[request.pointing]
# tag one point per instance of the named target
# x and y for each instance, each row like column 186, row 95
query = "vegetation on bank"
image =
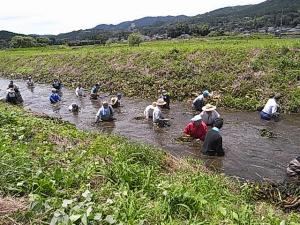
column 56, row 174
column 242, row 72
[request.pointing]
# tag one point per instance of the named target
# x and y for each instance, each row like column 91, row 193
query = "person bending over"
column 196, row 128
column 212, row 145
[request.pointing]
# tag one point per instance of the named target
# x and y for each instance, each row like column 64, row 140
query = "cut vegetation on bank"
column 242, row 72
column 53, row 173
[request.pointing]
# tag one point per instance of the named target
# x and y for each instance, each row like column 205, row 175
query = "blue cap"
column 206, row 93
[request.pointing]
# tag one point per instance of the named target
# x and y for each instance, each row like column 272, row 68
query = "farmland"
column 242, row 72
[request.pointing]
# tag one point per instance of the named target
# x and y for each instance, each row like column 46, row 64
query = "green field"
column 242, row 72
column 54, row 172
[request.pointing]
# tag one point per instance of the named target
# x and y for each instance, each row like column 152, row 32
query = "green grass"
column 242, row 72
column 70, row 175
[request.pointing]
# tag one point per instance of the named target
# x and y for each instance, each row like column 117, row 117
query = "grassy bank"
column 54, row 173
column 243, row 72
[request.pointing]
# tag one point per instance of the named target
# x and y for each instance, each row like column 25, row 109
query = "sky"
column 60, row 16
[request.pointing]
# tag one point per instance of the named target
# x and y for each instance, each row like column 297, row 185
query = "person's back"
column 198, row 103
column 148, row 112
column 270, row 107
column 54, row 97
column 213, row 140
column 11, row 96
column 157, row 115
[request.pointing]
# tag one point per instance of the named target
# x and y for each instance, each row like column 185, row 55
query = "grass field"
column 241, row 72
column 53, row 173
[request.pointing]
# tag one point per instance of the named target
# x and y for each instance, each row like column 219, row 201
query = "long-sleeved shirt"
column 197, row 132
column 213, row 143
column 105, row 114
column 271, row 107
column 79, row 92
column 54, row 98
column 148, row 113
column 198, row 103
column 208, row 118
column 157, row 115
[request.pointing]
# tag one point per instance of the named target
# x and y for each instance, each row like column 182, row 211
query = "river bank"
column 243, row 72
column 53, row 172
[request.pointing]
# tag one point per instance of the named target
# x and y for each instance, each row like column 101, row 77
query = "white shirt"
column 149, row 111
column 208, row 119
column 270, row 107
column 79, row 92
column 157, row 114
column 200, row 97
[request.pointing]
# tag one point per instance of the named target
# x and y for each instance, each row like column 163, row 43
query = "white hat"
column 160, row 102
column 209, row 107
column 196, row 118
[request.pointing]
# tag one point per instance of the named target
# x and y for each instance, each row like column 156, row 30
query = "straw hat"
column 160, row 102
column 196, row 118
column 208, row 108
column 113, row 100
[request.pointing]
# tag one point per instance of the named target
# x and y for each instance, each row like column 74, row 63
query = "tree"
column 22, row 42
column 135, row 39
column 43, row 41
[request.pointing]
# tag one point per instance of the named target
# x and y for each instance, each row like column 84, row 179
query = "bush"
column 22, row 42
column 134, row 39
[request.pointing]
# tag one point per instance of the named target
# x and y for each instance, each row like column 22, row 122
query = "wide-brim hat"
column 113, row 100
column 160, row 102
column 196, row 118
column 104, row 103
column 164, row 92
column 209, row 108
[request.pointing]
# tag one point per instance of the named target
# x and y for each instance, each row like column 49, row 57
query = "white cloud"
column 57, row 16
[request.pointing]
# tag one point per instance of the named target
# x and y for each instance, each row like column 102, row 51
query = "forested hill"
column 237, row 18
column 253, row 18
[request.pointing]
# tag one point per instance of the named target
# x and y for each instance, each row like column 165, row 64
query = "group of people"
column 105, row 113
column 198, row 127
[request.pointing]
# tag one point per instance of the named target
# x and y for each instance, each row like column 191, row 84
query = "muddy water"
column 248, row 155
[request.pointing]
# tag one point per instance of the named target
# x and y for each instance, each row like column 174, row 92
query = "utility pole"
column 281, row 22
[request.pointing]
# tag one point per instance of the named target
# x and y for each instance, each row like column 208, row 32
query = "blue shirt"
column 105, row 113
column 54, row 98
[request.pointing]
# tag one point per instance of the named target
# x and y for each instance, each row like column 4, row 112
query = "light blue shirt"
column 216, row 129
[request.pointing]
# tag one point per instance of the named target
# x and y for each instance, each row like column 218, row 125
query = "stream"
column 248, row 155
